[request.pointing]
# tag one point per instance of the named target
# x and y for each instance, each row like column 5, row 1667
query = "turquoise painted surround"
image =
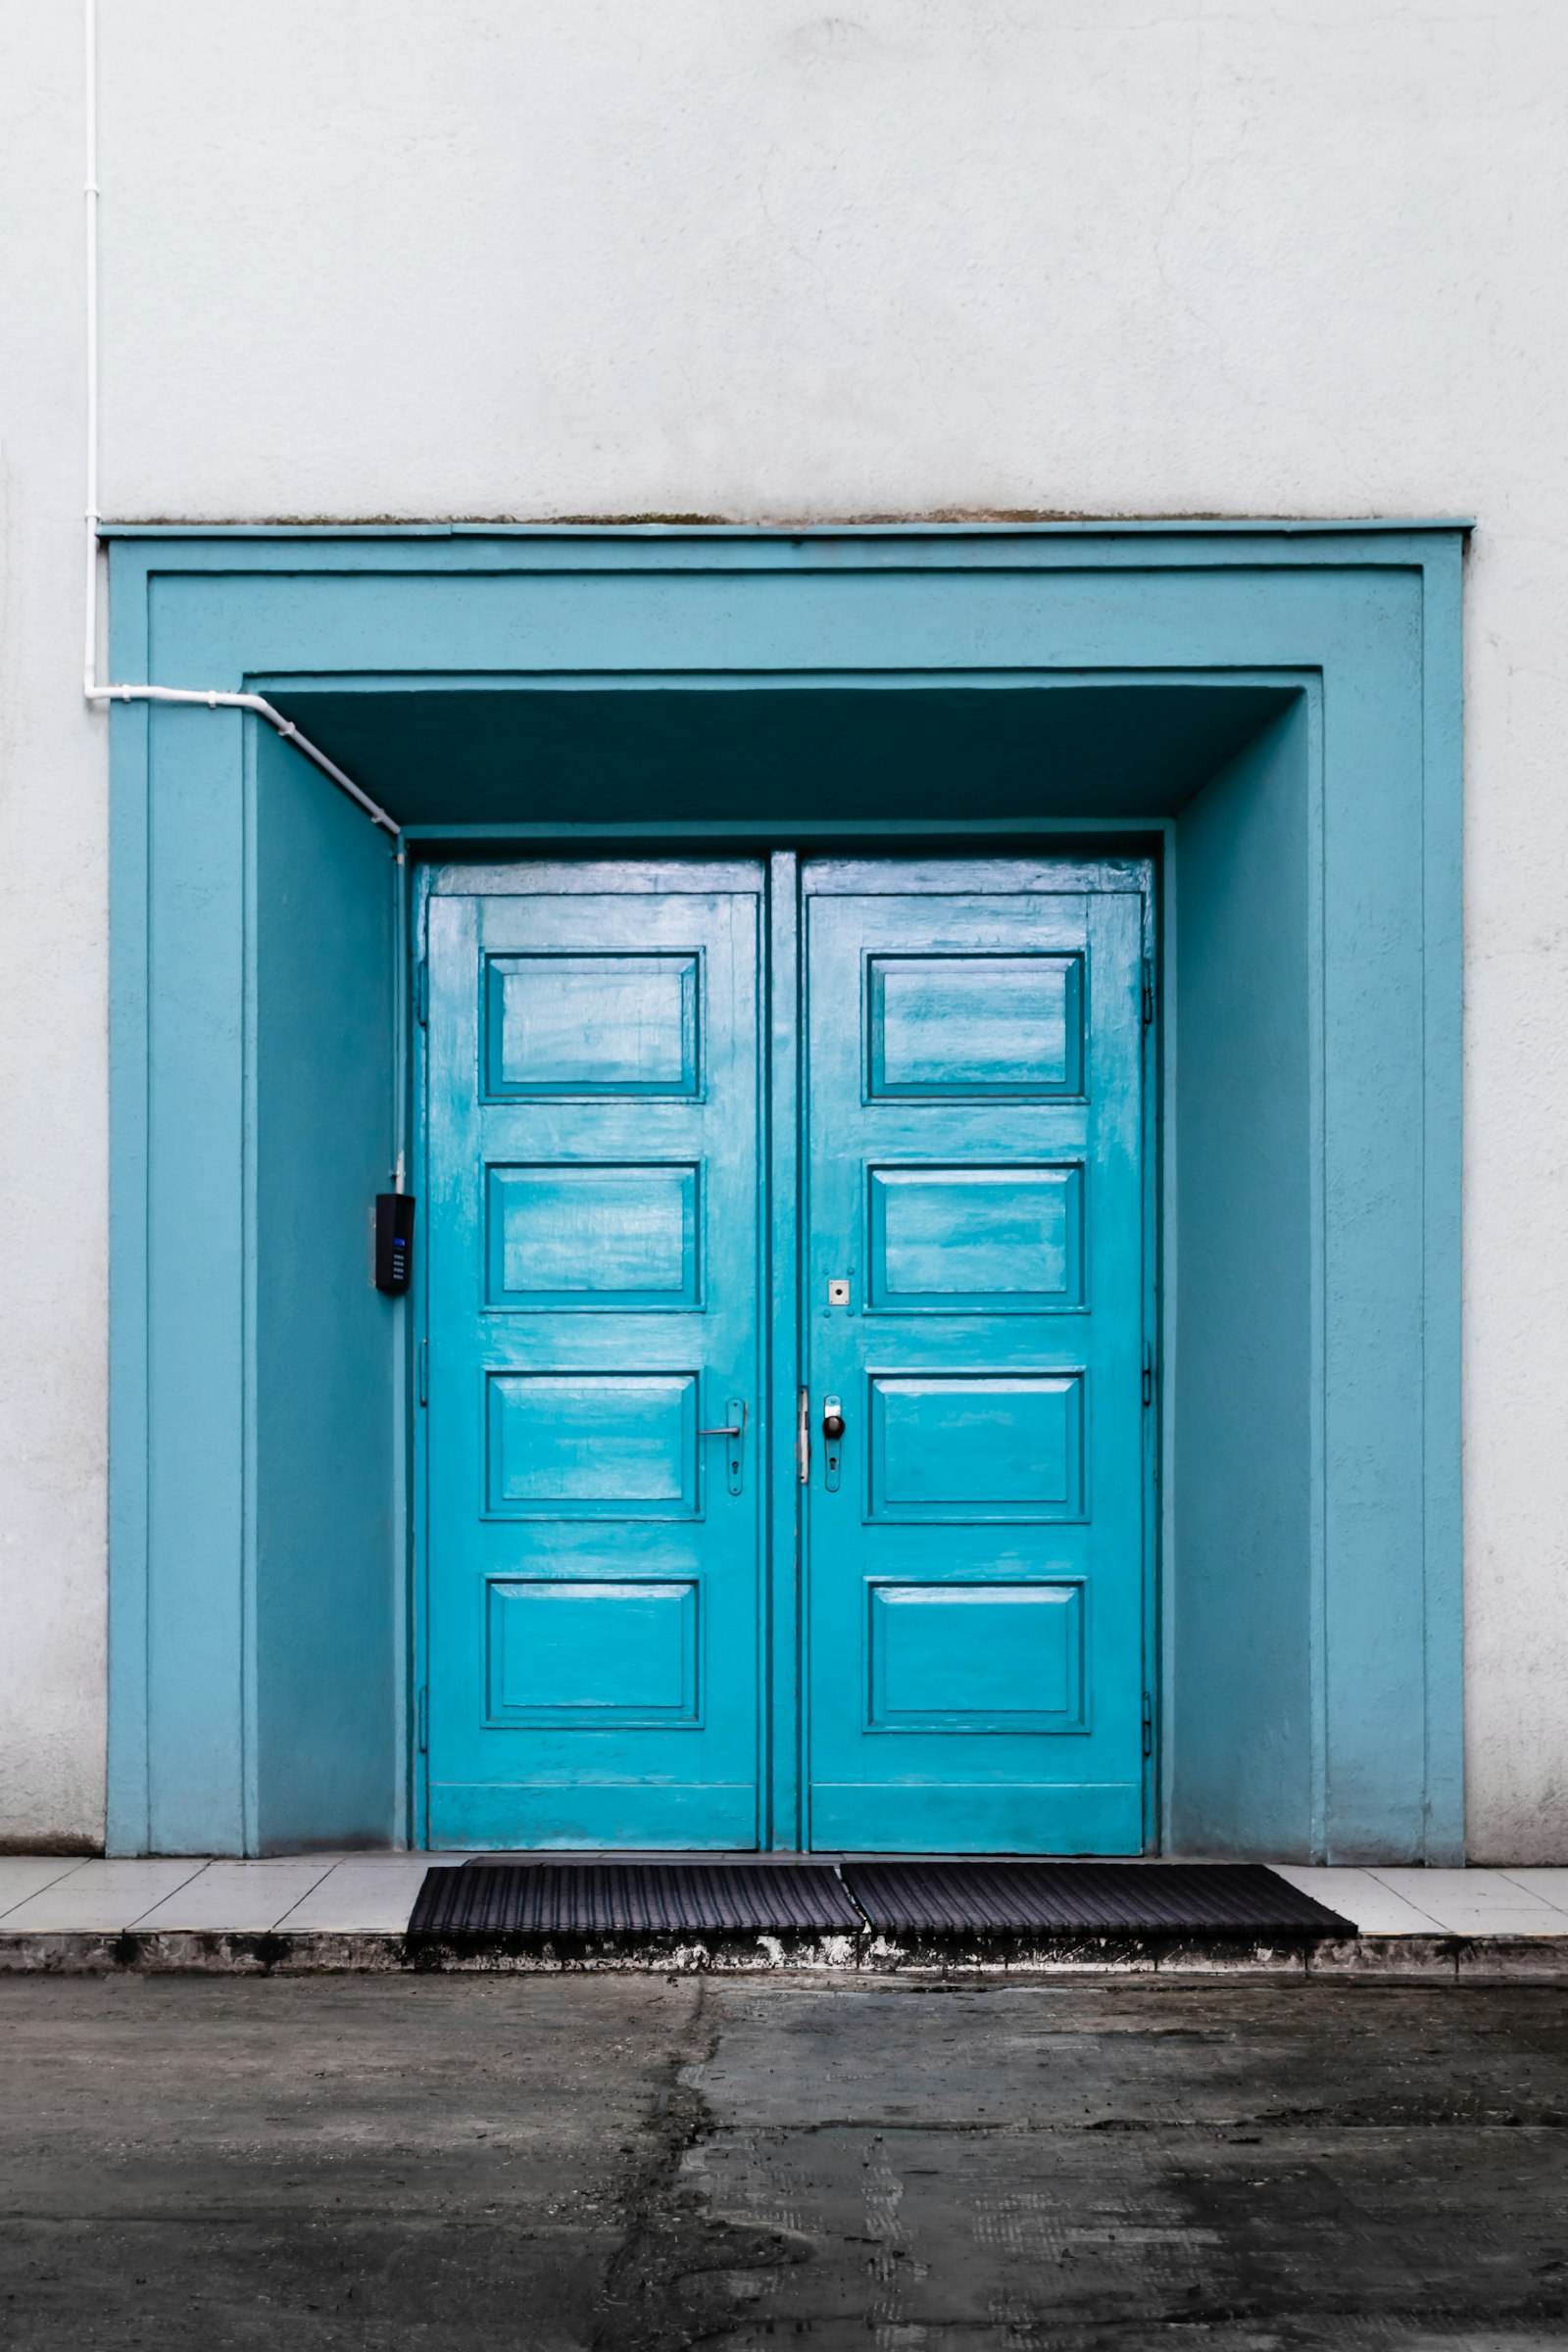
column 1273, row 713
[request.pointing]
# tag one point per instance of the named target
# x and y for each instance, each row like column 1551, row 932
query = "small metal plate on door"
column 735, row 1450
column 838, row 1293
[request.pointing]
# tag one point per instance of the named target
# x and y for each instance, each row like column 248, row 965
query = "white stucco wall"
column 430, row 258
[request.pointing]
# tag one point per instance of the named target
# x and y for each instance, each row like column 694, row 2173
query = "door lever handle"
column 735, row 1453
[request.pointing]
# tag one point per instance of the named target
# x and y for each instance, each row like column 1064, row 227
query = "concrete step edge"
column 189, row 1951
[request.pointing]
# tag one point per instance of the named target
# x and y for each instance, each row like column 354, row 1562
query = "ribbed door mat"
column 912, row 1899
column 1086, row 1899
column 634, row 1898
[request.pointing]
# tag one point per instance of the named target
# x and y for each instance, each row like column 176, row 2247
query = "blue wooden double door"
column 786, row 1432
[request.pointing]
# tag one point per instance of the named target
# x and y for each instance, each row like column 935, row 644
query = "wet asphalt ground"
column 902, row 2164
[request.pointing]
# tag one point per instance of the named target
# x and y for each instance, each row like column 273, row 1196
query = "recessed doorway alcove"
column 1270, row 718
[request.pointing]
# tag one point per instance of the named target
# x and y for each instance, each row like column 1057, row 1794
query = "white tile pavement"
column 99, row 1898
column 1477, row 1902
column 1542, row 1885
column 236, row 1898
column 22, row 1874
column 1355, row 1894
column 369, row 1894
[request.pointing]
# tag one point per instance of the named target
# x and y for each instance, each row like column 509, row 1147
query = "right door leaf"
column 975, row 1576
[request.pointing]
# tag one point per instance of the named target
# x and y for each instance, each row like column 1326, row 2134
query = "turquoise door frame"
column 1311, row 1638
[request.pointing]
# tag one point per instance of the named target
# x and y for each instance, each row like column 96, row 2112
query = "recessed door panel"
column 975, row 1533
column 999, row 1240
column 572, row 1235
column 616, row 1445
column 975, row 1445
column 564, row 1024
column 574, row 1650
column 974, row 1025
column 975, row 1657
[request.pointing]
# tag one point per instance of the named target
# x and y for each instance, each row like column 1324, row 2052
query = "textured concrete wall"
column 590, row 258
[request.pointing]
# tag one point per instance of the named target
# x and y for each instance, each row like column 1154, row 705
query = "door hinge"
column 422, row 992
column 424, row 1372
column 1148, row 1374
column 1148, row 1725
column 421, row 1717
column 1149, row 992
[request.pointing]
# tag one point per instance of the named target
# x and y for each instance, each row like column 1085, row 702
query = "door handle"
column 734, row 1429
column 832, row 1441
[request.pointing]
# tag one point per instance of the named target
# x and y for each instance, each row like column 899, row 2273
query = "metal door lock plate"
column 838, row 1293
column 832, row 1441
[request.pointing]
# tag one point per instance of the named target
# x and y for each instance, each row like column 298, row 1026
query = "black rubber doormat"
column 583, row 1901
column 577, row 1900
column 1086, row 1899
